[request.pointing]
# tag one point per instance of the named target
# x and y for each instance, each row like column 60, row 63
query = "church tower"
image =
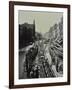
column 34, row 27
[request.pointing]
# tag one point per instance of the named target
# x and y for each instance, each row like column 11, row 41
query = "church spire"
column 34, row 26
column 34, row 22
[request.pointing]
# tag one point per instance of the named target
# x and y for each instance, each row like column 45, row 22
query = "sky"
column 43, row 20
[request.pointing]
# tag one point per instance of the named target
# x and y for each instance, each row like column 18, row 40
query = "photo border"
column 11, row 43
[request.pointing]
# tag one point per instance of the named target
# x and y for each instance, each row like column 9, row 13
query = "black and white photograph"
column 40, row 44
column 39, row 47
